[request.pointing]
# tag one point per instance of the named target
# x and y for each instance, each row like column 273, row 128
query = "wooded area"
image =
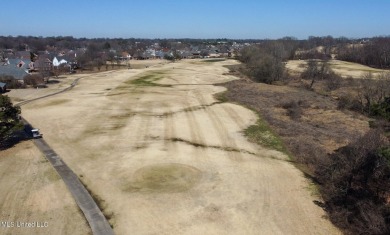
column 354, row 180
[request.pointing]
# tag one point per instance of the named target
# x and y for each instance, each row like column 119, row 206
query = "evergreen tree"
column 9, row 118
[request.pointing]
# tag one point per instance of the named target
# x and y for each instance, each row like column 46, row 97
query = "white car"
column 36, row 134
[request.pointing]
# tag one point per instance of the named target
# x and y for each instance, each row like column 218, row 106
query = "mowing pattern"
column 166, row 157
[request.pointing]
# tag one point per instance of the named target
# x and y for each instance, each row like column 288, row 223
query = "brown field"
column 163, row 156
column 31, row 191
column 309, row 124
column 343, row 68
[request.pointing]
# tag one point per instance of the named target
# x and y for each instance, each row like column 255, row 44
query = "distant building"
column 57, row 62
column 18, row 68
column 3, row 87
column 42, row 65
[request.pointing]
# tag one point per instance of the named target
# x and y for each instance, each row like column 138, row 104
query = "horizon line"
column 189, row 38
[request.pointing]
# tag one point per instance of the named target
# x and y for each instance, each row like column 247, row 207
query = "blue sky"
column 238, row 19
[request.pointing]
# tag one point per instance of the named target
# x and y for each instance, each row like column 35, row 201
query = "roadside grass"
column 101, row 203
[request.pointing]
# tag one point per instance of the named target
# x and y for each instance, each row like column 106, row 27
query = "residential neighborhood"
column 68, row 55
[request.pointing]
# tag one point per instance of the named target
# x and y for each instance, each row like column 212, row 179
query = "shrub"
column 33, row 79
column 294, row 110
column 382, row 109
column 354, row 182
column 333, row 81
column 350, row 103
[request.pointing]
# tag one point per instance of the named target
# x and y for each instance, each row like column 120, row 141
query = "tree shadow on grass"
column 53, row 81
column 14, row 139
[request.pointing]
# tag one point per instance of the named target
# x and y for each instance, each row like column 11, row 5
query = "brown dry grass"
column 342, row 68
column 32, row 191
column 124, row 136
column 312, row 129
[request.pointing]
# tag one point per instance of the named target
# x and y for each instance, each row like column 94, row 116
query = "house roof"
column 13, row 70
column 58, row 62
column 42, row 64
column 23, row 54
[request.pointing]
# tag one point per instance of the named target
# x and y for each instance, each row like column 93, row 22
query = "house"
column 196, row 54
column 70, row 57
column 3, row 87
column 9, row 51
column 125, row 56
column 149, row 54
column 15, row 67
column 160, row 54
column 187, row 55
column 4, row 62
column 42, row 65
column 224, row 52
column 57, row 62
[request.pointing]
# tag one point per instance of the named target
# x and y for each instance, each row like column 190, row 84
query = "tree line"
column 353, row 180
column 265, row 61
column 374, row 53
column 22, row 43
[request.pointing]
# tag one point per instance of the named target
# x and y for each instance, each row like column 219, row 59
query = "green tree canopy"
column 9, row 118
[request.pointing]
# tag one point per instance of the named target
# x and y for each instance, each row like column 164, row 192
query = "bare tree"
column 61, row 69
column 383, row 81
column 316, row 71
column 372, row 90
column 264, row 64
column 33, row 79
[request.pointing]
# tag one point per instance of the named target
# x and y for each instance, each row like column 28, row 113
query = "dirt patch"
column 51, row 175
column 164, row 178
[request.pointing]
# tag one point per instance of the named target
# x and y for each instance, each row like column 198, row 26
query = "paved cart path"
column 93, row 214
column 84, row 200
